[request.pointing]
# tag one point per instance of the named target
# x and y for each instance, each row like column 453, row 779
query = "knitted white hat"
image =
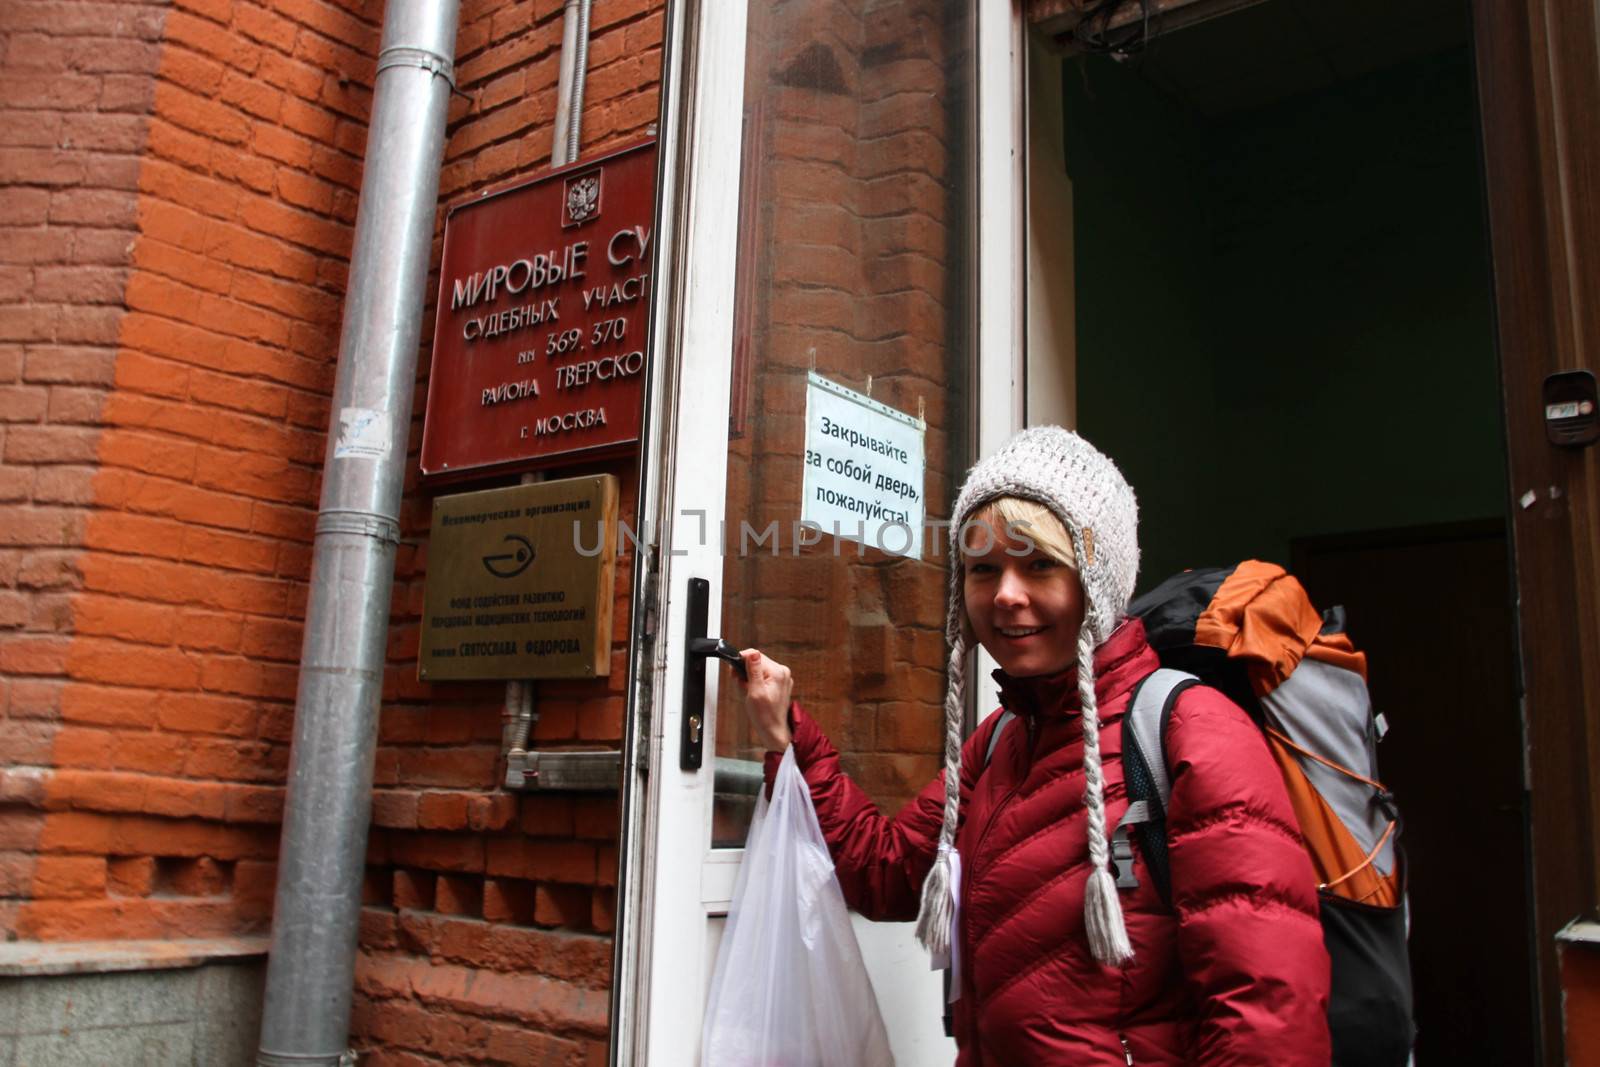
column 1084, row 489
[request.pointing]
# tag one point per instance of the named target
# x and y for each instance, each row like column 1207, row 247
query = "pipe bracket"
column 360, row 523
column 266, row 1058
column 432, row 62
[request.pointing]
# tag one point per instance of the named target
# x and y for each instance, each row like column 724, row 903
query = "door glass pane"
column 856, row 222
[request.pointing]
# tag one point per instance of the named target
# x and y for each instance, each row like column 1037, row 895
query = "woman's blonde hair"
column 1028, row 519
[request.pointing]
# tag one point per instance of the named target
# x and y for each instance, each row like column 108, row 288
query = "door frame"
column 691, row 344
column 1538, row 70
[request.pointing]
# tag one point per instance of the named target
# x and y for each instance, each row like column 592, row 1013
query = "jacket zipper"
column 1127, row 1052
column 1029, row 726
column 968, row 873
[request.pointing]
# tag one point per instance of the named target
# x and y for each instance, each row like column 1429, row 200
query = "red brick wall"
column 169, row 684
column 487, row 931
column 173, row 254
column 76, row 90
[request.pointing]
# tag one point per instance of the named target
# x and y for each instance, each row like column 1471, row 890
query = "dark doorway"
column 1430, row 607
column 1284, row 334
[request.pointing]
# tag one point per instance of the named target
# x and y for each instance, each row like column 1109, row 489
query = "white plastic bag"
column 790, row 989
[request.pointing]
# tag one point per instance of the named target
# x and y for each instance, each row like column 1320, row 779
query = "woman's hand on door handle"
column 766, row 699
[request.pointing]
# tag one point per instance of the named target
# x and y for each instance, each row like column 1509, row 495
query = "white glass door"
column 826, row 249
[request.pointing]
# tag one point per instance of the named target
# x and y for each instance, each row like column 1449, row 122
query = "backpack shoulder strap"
column 1149, row 783
column 1144, row 724
column 994, row 739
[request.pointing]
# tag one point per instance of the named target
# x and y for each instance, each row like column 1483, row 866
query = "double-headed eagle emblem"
column 583, row 198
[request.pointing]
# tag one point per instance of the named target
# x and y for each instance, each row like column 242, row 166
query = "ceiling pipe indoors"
column 1087, row 25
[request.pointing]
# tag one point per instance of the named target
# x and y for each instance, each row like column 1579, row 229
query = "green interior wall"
column 1283, row 316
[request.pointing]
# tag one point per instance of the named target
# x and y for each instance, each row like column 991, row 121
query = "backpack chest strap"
column 1122, row 849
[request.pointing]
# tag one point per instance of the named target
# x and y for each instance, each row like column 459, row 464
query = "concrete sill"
column 1580, row 932
column 21, row 958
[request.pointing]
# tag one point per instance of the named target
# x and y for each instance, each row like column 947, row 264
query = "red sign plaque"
column 544, row 297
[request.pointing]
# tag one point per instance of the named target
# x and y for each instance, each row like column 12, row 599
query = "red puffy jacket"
column 1234, row 973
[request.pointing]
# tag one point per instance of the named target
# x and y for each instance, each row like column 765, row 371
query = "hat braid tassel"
column 938, row 889
column 1102, row 911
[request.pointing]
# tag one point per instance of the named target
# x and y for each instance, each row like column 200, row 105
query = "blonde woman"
column 1053, row 963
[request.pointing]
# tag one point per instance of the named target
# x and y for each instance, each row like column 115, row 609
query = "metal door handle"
column 691, row 744
column 716, row 646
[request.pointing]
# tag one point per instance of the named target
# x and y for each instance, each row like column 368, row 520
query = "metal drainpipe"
column 569, row 88
column 563, row 149
column 310, row 974
column 580, row 73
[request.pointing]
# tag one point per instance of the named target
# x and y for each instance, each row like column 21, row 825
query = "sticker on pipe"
column 864, row 469
column 363, row 433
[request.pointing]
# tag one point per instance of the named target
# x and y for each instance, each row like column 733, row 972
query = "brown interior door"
column 1431, row 608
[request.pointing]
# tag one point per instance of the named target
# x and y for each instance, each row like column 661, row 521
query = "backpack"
column 1252, row 632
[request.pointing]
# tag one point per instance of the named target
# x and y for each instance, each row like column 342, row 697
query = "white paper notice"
column 362, row 432
column 864, row 469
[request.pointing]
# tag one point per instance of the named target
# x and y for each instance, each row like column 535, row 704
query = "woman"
column 1053, row 963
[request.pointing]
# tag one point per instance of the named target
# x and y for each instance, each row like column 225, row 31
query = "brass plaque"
column 520, row 582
